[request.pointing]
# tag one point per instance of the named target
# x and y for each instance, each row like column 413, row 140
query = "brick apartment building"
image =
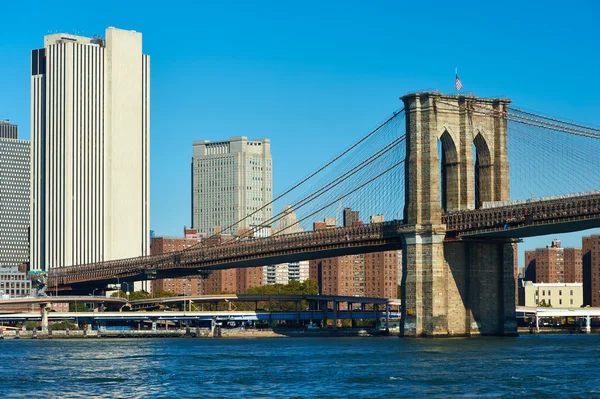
column 180, row 286
column 590, row 249
column 373, row 274
column 554, row 264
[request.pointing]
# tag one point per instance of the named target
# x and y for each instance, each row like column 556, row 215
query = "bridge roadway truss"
column 248, row 252
column 514, row 221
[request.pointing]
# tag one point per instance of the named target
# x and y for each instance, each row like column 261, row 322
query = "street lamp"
column 118, row 287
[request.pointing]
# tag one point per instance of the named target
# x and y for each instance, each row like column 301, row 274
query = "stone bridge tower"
column 456, row 160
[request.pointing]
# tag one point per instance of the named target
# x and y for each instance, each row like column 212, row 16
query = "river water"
column 540, row 366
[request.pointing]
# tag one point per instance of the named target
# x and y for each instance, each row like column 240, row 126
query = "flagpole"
column 457, row 82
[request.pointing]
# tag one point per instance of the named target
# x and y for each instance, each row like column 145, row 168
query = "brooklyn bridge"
column 460, row 180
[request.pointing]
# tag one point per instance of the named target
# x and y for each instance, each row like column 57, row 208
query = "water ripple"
column 529, row 366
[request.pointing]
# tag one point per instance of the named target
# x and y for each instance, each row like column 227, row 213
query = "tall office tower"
column 231, row 180
column 90, row 133
column 14, row 201
column 591, row 269
column 8, row 131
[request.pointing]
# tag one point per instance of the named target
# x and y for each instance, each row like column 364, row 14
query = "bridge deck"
column 526, row 219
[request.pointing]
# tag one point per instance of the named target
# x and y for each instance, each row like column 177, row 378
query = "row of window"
column 550, row 292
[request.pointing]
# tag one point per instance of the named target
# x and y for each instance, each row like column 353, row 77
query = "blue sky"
column 314, row 74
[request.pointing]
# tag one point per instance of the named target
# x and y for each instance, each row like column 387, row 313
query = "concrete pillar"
column 45, row 308
column 424, row 283
column 588, row 324
column 492, row 287
column 457, row 288
column 335, row 314
column 153, row 325
column 509, row 288
column 387, row 316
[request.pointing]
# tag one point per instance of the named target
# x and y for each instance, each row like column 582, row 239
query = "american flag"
column 458, row 83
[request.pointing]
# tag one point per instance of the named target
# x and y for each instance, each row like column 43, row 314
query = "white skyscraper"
column 230, row 180
column 90, row 155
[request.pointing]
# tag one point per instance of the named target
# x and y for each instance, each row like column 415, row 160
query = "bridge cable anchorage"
column 280, row 196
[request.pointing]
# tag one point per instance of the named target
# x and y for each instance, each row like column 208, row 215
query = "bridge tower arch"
column 454, row 287
column 449, row 171
column 483, row 171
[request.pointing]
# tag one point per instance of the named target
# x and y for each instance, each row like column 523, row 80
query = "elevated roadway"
column 11, row 302
column 514, row 221
column 187, row 316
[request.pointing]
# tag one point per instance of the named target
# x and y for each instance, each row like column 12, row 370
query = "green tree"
column 543, row 304
column 164, row 294
column 31, row 325
column 78, row 307
column 307, row 287
column 139, row 295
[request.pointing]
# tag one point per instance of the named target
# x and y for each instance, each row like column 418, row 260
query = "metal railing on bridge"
column 229, row 252
column 523, row 214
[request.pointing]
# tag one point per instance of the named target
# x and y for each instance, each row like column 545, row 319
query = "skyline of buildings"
column 557, row 265
column 75, row 69
column 90, row 157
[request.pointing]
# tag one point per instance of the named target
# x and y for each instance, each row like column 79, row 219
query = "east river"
column 547, row 366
